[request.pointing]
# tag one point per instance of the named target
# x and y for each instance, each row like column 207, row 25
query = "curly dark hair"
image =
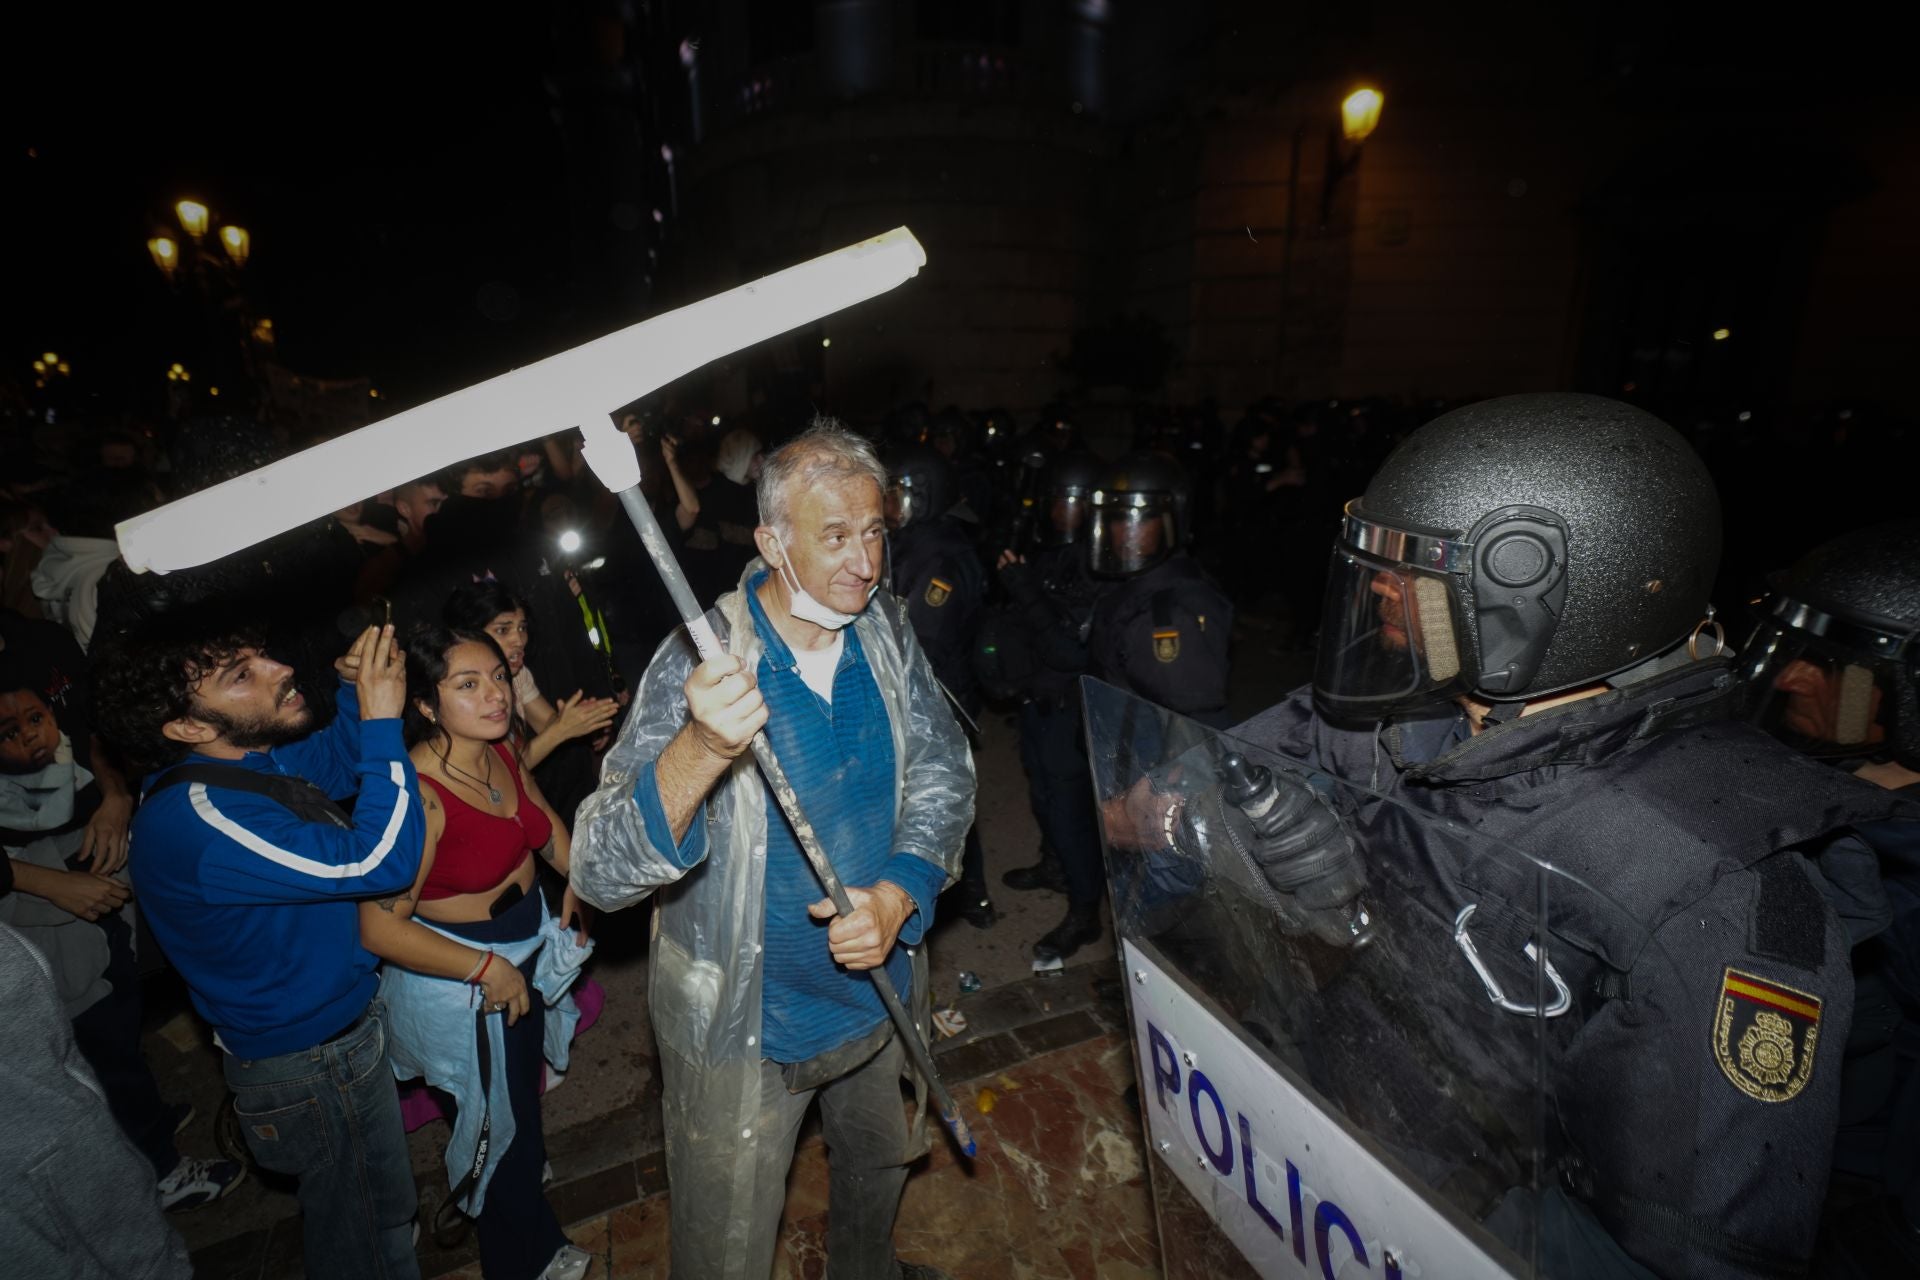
column 145, row 678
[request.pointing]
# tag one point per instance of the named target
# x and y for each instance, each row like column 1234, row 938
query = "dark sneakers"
column 970, row 903
column 1081, row 926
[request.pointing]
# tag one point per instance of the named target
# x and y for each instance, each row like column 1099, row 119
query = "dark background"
column 1121, row 201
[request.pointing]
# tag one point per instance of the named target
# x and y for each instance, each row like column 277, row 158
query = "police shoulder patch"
column 1166, row 644
column 1764, row 1036
column 937, row 592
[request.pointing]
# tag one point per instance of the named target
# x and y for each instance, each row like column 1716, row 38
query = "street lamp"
column 166, row 254
column 189, row 258
column 193, row 217
column 1359, row 117
column 237, row 243
column 1360, row 114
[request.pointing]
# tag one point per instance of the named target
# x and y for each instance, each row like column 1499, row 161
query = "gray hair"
column 826, row 451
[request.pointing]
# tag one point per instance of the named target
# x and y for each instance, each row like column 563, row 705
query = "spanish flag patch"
column 937, row 592
column 1764, row 1036
column 1166, row 645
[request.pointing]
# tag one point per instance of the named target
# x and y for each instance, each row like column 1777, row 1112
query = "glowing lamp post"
column 1359, row 117
column 188, row 258
column 1360, row 114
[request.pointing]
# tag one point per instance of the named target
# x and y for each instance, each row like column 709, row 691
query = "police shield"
column 1351, row 1022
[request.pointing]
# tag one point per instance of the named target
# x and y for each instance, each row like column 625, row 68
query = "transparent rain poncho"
column 705, row 973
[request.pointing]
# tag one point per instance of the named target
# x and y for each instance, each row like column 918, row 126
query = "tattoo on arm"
column 389, row 904
column 547, row 850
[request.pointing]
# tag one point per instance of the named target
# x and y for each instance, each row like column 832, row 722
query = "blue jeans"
column 329, row 1116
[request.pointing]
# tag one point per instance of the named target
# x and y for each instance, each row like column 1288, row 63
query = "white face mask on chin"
column 805, row 607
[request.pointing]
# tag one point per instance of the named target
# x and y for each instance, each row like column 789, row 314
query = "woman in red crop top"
column 476, row 889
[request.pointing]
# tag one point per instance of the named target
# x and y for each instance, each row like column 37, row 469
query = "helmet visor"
column 904, row 506
column 1127, row 539
column 1389, row 637
column 1817, row 698
column 1062, row 519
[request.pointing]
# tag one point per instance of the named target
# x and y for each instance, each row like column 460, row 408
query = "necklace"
column 493, row 792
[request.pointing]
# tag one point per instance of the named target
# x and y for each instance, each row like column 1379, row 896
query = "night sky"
column 403, row 185
column 405, row 173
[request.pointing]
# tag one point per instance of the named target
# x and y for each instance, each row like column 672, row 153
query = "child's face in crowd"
column 29, row 735
column 510, row 630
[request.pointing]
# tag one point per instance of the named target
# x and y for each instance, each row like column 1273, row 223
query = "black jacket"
column 1696, row 1082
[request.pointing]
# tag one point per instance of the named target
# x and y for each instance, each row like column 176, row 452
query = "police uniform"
column 938, row 576
column 1039, row 644
column 1697, row 1082
column 1163, row 635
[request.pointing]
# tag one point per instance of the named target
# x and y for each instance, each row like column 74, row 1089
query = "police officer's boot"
column 1044, row 874
column 971, row 903
column 1081, row 926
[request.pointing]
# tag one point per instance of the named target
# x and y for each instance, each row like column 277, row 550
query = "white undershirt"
column 816, row 666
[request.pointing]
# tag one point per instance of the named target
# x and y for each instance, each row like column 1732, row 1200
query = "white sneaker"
column 570, row 1263
column 193, row 1183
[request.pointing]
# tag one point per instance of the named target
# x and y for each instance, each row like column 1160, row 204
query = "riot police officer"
column 1833, row 666
column 1833, row 670
column 1161, row 631
column 936, row 571
column 1035, row 650
column 1512, row 644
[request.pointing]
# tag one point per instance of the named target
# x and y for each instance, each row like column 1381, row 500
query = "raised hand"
column 726, row 706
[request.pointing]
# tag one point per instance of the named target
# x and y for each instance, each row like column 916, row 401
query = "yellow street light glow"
column 64, row 367
column 50, row 357
column 175, row 368
column 166, row 254
column 237, row 243
column 213, row 391
column 193, row 217
column 1721, row 335
column 826, row 342
column 1360, row 114
column 39, row 366
column 372, row 394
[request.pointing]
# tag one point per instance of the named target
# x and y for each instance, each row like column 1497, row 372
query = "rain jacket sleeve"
column 937, row 789
column 618, row 857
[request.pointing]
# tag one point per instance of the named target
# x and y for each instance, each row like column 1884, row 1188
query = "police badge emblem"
column 1166, row 645
column 937, row 592
column 1764, row 1036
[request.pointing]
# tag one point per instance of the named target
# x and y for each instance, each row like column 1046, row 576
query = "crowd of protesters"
column 479, row 630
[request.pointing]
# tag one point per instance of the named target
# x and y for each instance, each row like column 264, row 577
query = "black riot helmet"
column 1066, row 496
column 920, row 486
column 1513, row 549
column 1833, row 667
column 1137, row 515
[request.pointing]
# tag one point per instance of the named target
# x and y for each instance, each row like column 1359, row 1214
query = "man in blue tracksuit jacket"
column 249, row 874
